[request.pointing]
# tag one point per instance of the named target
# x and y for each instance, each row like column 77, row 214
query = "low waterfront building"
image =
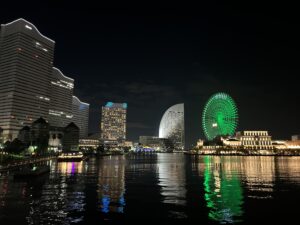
column 90, row 142
column 128, row 144
column 232, row 143
column 296, row 137
column 156, row 143
column 40, row 134
column 293, row 144
column 199, row 144
column 56, row 135
column 24, row 135
column 71, row 137
column 255, row 140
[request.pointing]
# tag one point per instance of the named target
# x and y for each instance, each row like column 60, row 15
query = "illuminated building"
column 80, row 112
column 293, row 144
column 25, row 69
column 90, row 142
column 113, row 122
column 56, row 135
column 232, row 143
column 172, row 126
column 158, row 144
column 255, row 140
column 296, row 137
column 61, row 92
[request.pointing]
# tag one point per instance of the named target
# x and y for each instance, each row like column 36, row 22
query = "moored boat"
column 71, row 156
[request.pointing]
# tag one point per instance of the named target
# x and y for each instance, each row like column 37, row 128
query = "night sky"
column 153, row 59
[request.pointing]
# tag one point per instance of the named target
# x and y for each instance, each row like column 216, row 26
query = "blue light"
column 125, row 105
column 109, row 104
column 82, row 106
column 105, row 203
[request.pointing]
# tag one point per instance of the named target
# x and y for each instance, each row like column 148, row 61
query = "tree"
column 16, row 146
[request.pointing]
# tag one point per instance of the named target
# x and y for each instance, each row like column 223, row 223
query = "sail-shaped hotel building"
column 172, row 126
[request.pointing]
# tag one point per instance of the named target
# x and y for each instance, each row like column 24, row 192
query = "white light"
column 28, row 27
column 214, row 125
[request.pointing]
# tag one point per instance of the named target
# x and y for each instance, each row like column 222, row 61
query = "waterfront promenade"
column 17, row 163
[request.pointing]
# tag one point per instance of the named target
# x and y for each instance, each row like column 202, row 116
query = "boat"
column 32, row 171
column 71, row 156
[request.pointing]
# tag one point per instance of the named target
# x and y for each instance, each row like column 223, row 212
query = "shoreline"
column 219, row 154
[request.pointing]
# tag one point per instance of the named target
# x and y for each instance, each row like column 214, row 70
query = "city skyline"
column 179, row 57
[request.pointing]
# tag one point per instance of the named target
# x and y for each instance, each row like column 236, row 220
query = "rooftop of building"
column 116, row 105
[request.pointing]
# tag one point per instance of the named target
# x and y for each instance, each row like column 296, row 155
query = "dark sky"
column 154, row 58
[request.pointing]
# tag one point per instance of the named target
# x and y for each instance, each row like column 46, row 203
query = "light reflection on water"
column 162, row 187
column 111, row 184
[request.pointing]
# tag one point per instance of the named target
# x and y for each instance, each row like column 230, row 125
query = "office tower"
column 26, row 58
column 113, row 122
column 61, row 92
column 80, row 111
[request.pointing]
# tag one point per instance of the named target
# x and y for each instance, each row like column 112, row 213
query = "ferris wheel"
column 220, row 116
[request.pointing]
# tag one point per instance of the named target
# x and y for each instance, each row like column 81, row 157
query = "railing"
column 23, row 162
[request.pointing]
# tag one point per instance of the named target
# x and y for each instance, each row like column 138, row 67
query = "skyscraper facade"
column 61, row 95
column 26, row 58
column 80, row 112
column 172, row 126
column 113, row 122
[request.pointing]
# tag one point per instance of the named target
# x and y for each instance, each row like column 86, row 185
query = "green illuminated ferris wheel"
column 220, row 116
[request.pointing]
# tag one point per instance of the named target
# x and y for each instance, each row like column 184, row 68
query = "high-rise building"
column 61, row 92
column 26, row 58
column 80, row 112
column 172, row 126
column 113, row 122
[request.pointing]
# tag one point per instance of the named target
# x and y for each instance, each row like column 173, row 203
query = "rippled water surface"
column 163, row 187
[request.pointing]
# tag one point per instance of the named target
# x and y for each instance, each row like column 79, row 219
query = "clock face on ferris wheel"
column 220, row 116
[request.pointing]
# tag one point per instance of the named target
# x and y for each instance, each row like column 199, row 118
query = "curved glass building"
column 172, row 126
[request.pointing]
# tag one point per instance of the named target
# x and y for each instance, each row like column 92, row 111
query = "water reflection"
column 223, row 191
column 111, row 184
column 62, row 200
column 288, row 169
column 258, row 172
column 160, row 187
column 171, row 175
column 69, row 168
